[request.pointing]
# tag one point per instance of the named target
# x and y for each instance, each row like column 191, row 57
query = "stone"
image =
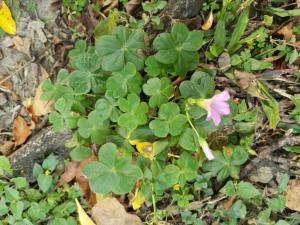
column 110, row 211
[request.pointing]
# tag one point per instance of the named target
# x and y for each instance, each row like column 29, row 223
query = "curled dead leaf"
column 286, row 31
column 20, row 130
column 208, row 22
column 293, row 195
column 69, row 173
column 244, row 79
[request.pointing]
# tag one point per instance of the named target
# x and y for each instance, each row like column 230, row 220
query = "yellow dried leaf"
column 208, row 22
column 138, row 200
column 7, row 22
column 84, row 219
column 146, row 149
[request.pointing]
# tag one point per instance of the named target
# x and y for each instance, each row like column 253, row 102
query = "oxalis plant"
column 149, row 115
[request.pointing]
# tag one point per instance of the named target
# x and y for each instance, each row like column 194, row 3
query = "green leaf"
column 294, row 56
column 270, row 106
column 189, row 141
column 106, row 26
column 220, row 35
column 283, row 183
column 11, row 194
column 122, row 46
column 237, row 210
column 277, row 204
column 188, row 168
column 179, row 48
column 17, row 209
column 88, row 61
column 80, row 153
column 155, row 68
column 57, row 121
column 201, row 85
column 114, row 173
column 37, row 169
column 283, row 12
column 160, row 91
column 124, row 81
column 45, row 182
column 151, row 6
column 167, row 178
column 35, row 212
column 259, row 65
column 169, row 121
column 20, row 182
column 93, row 127
column 229, row 189
column 134, row 112
column 80, row 82
column 239, row 30
column 107, row 108
column 5, row 166
column 50, row 162
column 282, row 222
column 246, row 190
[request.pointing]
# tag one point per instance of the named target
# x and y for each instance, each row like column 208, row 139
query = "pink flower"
column 216, row 106
column 208, row 153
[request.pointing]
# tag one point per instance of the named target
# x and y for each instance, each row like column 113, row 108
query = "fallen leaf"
column 6, row 147
column 146, row 149
column 293, row 195
column 69, row 173
column 22, row 44
column 20, row 130
column 108, row 5
column 132, row 5
column 7, row 22
column 286, row 31
column 84, row 219
column 137, row 200
column 244, row 79
column 110, row 211
column 208, row 22
column 83, row 182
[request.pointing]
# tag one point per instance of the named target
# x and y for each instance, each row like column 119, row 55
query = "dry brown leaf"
column 132, row 5
column 287, row 31
column 6, row 147
column 20, row 130
column 69, row 173
column 244, row 79
column 22, row 44
column 293, row 195
column 83, row 182
column 208, row 22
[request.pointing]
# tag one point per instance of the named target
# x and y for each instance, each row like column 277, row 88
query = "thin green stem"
column 153, row 198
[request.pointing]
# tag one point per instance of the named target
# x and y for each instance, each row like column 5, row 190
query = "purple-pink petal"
column 208, row 153
column 222, row 107
column 214, row 115
column 221, row 97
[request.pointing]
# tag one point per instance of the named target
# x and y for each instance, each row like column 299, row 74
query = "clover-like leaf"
column 226, row 164
column 188, row 168
column 125, row 81
column 88, row 61
column 160, row 91
column 115, row 172
column 201, row 85
column 155, row 68
column 179, row 48
column 122, row 46
column 107, row 108
column 170, row 121
column 93, row 127
column 134, row 112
